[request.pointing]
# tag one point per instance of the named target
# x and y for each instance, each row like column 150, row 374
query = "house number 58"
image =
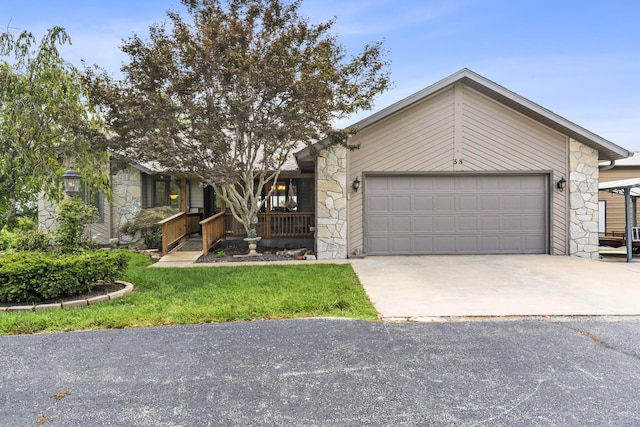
column 457, row 161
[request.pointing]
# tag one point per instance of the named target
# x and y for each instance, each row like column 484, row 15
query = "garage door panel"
column 489, row 202
column 378, row 224
column 456, row 214
column 401, row 245
column 400, row 204
column 513, row 202
column 444, row 244
column 511, row 244
column 489, row 244
column 422, row 224
column 466, row 223
column 532, row 222
column 489, row 223
column 532, row 243
column 467, row 203
column 400, row 224
column 445, row 224
column 423, row 244
column 422, row 203
column 378, row 245
column 401, row 183
column 377, row 204
column 467, row 244
column 445, row 203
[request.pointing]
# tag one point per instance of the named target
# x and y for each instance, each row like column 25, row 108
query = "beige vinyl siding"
column 417, row 139
column 101, row 231
column 615, row 215
column 456, row 124
column 496, row 138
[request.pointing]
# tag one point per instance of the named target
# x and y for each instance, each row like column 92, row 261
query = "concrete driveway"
column 499, row 285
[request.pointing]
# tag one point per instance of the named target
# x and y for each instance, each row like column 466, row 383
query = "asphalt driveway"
column 323, row 372
column 499, row 285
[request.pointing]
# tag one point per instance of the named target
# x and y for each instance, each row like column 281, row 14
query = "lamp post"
column 71, row 179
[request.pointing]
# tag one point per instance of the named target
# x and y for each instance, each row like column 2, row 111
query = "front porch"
column 271, row 225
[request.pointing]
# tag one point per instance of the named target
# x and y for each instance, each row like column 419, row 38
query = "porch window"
column 284, row 197
column 166, row 193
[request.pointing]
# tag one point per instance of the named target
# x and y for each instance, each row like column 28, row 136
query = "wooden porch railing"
column 276, row 224
column 177, row 227
column 213, row 230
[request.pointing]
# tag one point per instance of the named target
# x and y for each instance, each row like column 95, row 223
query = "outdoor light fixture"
column 355, row 184
column 71, row 180
column 561, row 184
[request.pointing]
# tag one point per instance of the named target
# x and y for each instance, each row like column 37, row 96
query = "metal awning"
column 618, row 187
column 630, row 189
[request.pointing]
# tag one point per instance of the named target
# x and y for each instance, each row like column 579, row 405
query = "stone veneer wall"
column 47, row 215
column 583, row 200
column 331, row 209
column 126, row 185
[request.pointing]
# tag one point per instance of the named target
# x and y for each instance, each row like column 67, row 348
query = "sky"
column 577, row 58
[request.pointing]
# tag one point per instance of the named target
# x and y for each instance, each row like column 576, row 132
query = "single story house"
column 463, row 166
column 612, row 210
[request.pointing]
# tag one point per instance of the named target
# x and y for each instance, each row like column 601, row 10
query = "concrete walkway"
column 499, row 285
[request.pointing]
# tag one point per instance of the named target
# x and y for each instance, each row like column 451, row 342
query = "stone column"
column 583, row 200
column 127, row 200
column 331, row 203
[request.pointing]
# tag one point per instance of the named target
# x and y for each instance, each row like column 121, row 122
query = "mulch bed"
column 226, row 251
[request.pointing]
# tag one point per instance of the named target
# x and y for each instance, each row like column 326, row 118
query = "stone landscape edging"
column 128, row 288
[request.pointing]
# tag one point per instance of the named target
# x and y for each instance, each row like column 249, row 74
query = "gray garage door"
column 455, row 214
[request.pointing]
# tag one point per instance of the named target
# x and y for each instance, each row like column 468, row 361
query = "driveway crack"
column 600, row 341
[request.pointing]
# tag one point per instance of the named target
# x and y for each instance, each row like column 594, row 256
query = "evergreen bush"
column 36, row 276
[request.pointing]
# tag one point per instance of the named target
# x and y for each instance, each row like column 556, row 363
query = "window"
column 93, row 198
column 166, row 193
column 284, row 197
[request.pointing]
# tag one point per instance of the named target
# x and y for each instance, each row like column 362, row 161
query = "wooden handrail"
column 213, row 230
column 276, row 224
column 174, row 229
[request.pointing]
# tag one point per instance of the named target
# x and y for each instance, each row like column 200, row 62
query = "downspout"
column 607, row 167
column 627, row 214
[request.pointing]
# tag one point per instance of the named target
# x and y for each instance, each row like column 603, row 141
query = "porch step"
column 178, row 258
column 192, row 244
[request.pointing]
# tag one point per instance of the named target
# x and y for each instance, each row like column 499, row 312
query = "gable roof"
column 607, row 150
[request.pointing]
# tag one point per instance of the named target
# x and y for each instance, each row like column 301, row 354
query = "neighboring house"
column 612, row 210
column 464, row 166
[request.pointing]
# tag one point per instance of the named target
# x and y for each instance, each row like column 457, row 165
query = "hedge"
column 36, row 276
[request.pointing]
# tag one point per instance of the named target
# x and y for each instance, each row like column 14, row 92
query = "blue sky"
column 577, row 58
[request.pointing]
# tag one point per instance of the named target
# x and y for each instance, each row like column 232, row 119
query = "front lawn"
column 172, row 296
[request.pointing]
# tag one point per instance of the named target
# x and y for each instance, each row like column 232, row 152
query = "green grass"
column 173, row 296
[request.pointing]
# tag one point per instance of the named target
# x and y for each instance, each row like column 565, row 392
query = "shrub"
column 22, row 223
column 74, row 215
column 146, row 223
column 33, row 240
column 6, row 239
column 36, row 276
